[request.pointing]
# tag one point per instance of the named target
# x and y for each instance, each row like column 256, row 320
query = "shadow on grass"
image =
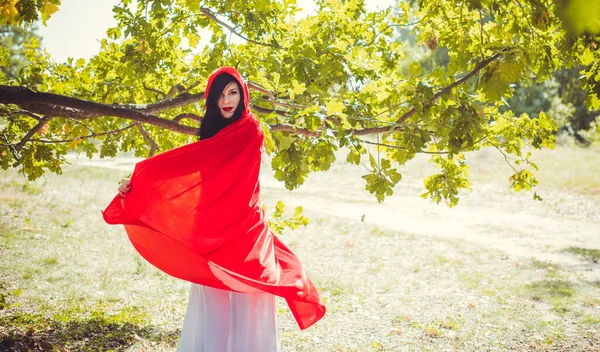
column 586, row 253
column 94, row 331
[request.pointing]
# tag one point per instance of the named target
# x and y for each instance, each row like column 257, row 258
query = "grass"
column 573, row 170
column 70, row 282
column 586, row 253
column 78, row 329
column 550, row 288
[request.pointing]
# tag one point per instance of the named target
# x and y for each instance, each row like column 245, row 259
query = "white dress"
column 226, row 321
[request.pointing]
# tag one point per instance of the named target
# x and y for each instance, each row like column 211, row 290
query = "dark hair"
column 213, row 122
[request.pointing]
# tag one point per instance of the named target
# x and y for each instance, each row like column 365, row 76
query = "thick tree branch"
column 147, row 138
column 78, row 108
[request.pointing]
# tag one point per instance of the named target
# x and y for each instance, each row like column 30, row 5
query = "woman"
column 194, row 212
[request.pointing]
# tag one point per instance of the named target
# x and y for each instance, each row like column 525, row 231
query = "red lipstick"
column 227, row 109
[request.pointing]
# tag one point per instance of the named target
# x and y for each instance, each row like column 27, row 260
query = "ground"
column 498, row 272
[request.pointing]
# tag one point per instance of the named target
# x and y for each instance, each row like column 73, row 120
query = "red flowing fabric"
column 194, row 212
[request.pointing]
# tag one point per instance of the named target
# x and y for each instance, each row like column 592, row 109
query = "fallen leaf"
column 395, row 331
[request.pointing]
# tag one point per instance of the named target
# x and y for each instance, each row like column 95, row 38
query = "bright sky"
column 79, row 25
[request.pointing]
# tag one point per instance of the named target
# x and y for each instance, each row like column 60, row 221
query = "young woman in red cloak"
column 194, row 212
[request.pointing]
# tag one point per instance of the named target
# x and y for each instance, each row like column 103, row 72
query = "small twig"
column 83, row 137
column 527, row 17
column 10, row 147
column 294, row 129
column 481, row 32
column 285, row 104
column 403, row 148
column 268, row 111
column 154, row 90
column 257, row 87
column 80, row 123
column 504, row 154
column 462, row 3
column 366, row 167
column 392, row 26
column 191, row 86
column 176, row 89
column 147, row 138
column 28, row 113
column 422, row 152
column 108, row 90
column 210, row 15
column 370, row 119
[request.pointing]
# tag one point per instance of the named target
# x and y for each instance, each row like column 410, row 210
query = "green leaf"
column 587, row 57
column 48, row 8
column 415, row 69
column 335, row 107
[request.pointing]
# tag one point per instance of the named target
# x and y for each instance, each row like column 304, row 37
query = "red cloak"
column 194, row 212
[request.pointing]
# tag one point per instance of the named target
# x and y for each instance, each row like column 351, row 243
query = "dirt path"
column 526, row 233
column 489, row 215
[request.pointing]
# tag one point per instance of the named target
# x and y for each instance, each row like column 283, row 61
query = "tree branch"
column 58, row 105
column 527, row 17
column 187, row 116
column 449, row 87
column 10, row 147
column 147, row 138
column 166, row 104
column 293, row 129
column 392, row 26
column 77, row 109
column 81, row 123
column 25, row 112
column 162, row 94
column 210, row 15
column 422, row 152
column 287, row 105
column 30, row 134
column 83, row 137
column 256, row 87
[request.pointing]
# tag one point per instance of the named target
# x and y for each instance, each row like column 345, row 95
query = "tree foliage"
column 561, row 97
column 336, row 79
column 14, row 38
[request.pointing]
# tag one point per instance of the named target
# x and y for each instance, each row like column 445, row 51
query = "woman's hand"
column 125, row 187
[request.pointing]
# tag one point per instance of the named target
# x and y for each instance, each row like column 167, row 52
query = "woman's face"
column 229, row 100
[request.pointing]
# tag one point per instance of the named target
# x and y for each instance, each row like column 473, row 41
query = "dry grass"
column 70, row 281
